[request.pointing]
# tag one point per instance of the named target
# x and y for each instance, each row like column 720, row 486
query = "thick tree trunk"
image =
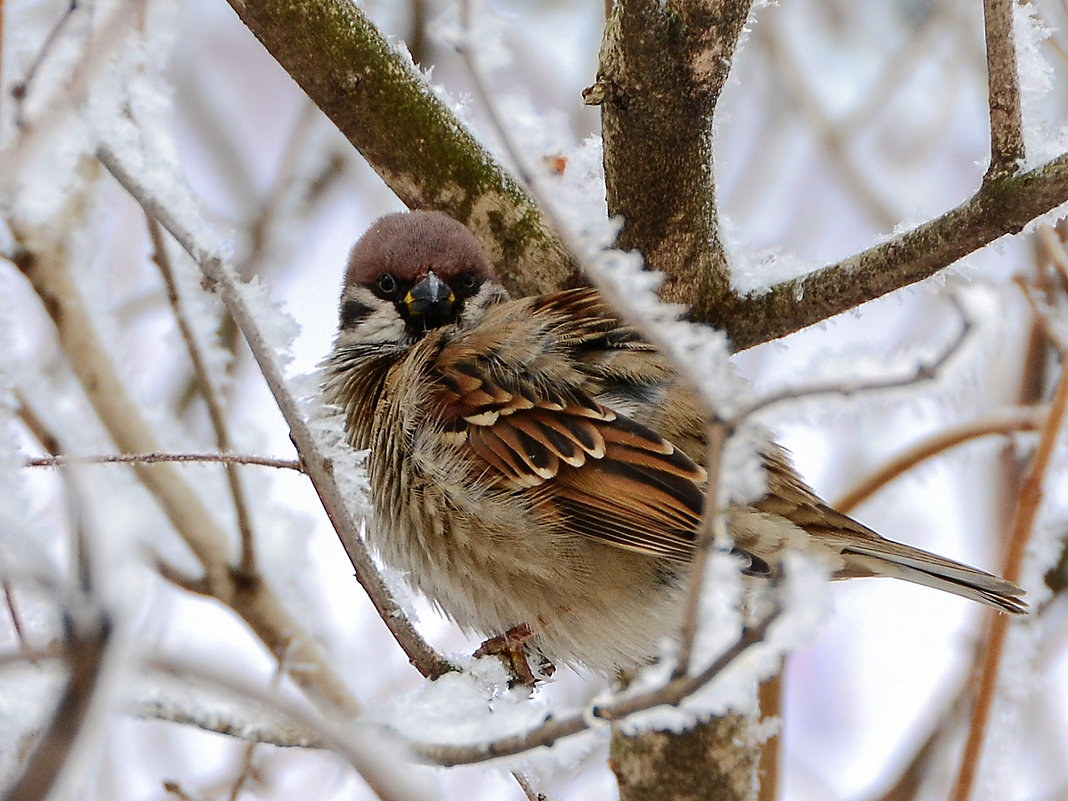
column 715, row 761
column 662, row 69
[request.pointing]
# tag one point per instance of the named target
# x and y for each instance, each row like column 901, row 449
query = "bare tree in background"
column 101, row 233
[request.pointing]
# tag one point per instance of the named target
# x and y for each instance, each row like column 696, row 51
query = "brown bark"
column 380, row 102
column 662, row 69
column 716, row 761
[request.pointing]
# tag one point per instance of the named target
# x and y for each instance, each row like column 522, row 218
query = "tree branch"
column 662, row 68
column 1006, row 123
column 208, row 392
column 1002, row 206
column 152, row 458
column 45, row 263
column 381, row 103
column 1005, row 423
column 1028, row 504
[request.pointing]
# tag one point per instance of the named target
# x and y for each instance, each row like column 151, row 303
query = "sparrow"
column 536, row 465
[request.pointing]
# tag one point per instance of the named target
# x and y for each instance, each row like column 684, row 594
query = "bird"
column 535, row 463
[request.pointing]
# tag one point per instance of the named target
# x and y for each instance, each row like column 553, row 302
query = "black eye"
column 467, row 282
column 387, row 284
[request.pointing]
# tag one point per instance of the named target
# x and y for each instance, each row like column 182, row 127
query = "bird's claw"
column 511, row 647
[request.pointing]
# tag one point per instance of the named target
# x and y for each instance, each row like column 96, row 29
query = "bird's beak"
column 430, row 299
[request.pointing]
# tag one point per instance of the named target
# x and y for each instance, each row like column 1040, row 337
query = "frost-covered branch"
column 152, row 458
column 317, row 466
column 1000, row 207
column 554, row 729
column 378, row 758
column 662, row 68
column 927, row 369
column 46, row 265
column 711, row 532
column 23, row 86
column 382, row 104
column 1006, row 119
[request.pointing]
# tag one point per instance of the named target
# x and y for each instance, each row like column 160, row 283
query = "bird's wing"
column 512, row 396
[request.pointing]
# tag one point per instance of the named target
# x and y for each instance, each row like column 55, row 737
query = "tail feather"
column 884, row 557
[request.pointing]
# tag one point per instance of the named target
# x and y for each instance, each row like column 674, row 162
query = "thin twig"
column 519, row 163
column 109, row 26
column 1005, row 423
column 175, row 788
column 36, row 426
column 528, row 789
column 153, row 458
column 554, row 729
column 22, row 88
column 13, row 611
column 1041, row 314
column 926, row 370
column 39, row 431
column 210, row 395
column 378, row 759
column 317, row 466
column 709, row 534
column 1052, row 239
column 1006, row 122
column 197, row 585
column 835, row 138
column 770, row 700
column 289, row 180
column 1027, row 507
column 937, row 742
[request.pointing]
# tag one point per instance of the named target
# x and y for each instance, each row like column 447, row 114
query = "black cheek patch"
column 353, row 312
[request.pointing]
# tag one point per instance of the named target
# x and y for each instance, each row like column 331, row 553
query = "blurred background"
column 843, row 121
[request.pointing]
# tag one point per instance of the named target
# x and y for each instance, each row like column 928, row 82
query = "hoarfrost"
column 470, row 706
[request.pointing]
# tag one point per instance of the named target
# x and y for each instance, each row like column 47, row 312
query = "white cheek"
column 383, row 326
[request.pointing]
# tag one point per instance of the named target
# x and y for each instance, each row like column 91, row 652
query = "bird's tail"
column 883, row 557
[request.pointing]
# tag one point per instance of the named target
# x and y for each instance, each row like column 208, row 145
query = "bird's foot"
column 511, row 647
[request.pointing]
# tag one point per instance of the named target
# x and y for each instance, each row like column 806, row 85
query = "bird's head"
column 411, row 273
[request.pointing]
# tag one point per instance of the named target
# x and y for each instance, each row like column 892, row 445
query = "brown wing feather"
column 600, row 473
